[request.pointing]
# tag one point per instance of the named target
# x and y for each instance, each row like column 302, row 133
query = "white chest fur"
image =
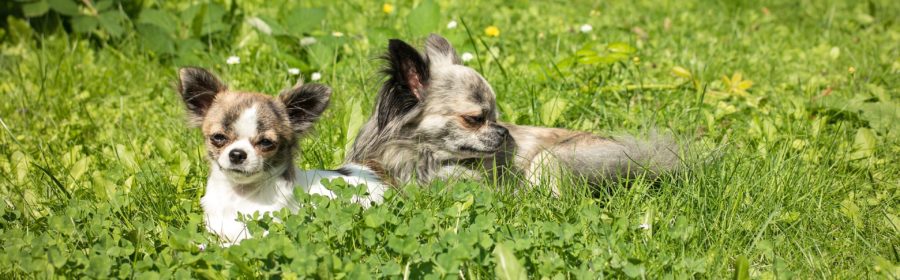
column 225, row 201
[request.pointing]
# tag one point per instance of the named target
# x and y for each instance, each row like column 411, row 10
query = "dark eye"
column 474, row 120
column 265, row 143
column 218, row 139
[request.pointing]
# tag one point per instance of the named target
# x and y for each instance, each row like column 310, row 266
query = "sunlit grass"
column 796, row 171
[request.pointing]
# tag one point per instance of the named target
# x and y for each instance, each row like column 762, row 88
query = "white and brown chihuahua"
column 251, row 140
column 436, row 118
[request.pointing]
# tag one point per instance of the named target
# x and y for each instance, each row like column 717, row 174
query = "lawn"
column 790, row 110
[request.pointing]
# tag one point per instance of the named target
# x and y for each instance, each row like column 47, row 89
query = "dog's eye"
column 474, row 120
column 265, row 143
column 218, row 139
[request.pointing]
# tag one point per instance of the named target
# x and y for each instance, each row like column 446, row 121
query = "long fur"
column 251, row 140
column 421, row 131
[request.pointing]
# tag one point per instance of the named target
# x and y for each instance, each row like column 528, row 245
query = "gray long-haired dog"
column 436, row 118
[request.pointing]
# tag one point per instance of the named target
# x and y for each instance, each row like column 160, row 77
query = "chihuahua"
column 251, row 141
column 435, row 118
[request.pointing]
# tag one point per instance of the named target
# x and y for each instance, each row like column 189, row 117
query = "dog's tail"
column 655, row 155
column 623, row 157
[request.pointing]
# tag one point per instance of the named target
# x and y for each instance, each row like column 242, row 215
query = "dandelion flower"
column 466, row 56
column 316, row 76
column 293, row 71
column 387, row 8
column 492, row 31
column 306, row 41
column 337, row 34
column 587, row 28
column 451, row 24
column 233, row 60
column 851, row 69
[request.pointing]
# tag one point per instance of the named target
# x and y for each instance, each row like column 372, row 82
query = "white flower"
column 260, row 25
column 644, row 226
column 466, row 56
column 293, row 71
column 586, row 28
column 451, row 24
column 337, row 34
column 316, row 76
column 233, row 60
column 306, row 41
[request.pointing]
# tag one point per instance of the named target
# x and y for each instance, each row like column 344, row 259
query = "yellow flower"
column 492, row 31
column 851, row 69
column 387, row 8
column 737, row 85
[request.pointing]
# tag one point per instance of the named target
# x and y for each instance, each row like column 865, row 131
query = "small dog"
column 251, row 140
column 436, row 118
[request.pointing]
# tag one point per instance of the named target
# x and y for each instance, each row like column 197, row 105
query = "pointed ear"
column 439, row 51
column 407, row 67
column 407, row 75
column 305, row 104
column 198, row 89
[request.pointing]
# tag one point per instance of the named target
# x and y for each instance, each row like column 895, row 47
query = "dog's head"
column 249, row 136
column 444, row 106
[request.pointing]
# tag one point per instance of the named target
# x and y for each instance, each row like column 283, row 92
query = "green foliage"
column 741, row 268
column 424, row 18
column 35, row 8
column 508, row 266
column 792, row 116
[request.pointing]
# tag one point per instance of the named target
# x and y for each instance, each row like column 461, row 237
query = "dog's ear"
column 305, row 105
column 198, row 89
column 407, row 67
column 407, row 75
column 439, row 51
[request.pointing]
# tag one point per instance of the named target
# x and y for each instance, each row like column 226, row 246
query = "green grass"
column 796, row 175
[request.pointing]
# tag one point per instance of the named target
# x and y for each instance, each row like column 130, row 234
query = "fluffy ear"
column 198, row 89
column 305, row 104
column 407, row 67
column 407, row 75
column 439, row 51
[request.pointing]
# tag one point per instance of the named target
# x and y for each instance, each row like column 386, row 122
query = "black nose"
column 237, row 156
column 503, row 131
